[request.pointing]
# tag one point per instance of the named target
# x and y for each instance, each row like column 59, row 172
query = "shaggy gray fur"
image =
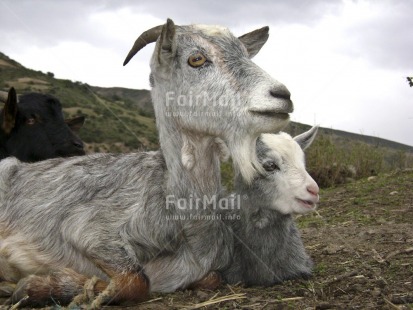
column 110, row 208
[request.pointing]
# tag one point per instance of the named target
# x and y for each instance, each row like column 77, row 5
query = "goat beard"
column 244, row 157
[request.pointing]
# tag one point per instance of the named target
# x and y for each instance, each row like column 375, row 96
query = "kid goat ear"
column 305, row 139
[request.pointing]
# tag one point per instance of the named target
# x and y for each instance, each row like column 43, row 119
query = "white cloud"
column 345, row 62
column 337, row 88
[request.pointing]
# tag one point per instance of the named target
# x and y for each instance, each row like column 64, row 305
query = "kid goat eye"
column 271, row 166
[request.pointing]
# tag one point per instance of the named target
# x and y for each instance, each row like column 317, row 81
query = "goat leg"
column 124, row 287
column 6, row 288
column 66, row 286
column 8, row 272
column 58, row 287
column 210, row 282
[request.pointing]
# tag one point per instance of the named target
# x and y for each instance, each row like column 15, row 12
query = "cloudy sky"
column 345, row 62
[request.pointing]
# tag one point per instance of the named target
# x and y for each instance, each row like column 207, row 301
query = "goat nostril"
column 282, row 93
column 313, row 190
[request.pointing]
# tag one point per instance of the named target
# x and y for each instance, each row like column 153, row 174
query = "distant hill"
column 121, row 119
column 346, row 137
column 134, row 98
column 117, row 119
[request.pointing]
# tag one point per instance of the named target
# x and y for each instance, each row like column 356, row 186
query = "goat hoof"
column 20, row 295
column 7, row 289
column 30, row 291
column 21, row 303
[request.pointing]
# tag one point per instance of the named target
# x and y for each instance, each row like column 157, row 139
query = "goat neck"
column 203, row 178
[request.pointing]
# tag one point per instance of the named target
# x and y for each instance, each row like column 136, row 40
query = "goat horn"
column 149, row 36
column 3, row 96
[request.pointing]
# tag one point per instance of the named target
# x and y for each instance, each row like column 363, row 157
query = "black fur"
column 36, row 130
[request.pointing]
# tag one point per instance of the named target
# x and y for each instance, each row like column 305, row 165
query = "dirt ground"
column 361, row 240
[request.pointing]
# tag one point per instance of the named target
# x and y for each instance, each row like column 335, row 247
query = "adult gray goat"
column 268, row 246
column 106, row 215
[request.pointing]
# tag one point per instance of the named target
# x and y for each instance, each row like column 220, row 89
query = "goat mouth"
column 306, row 203
column 271, row 113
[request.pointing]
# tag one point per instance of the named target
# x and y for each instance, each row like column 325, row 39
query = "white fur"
column 292, row 181
column 213, row 30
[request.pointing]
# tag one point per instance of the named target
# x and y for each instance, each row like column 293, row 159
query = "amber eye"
column 196, row 60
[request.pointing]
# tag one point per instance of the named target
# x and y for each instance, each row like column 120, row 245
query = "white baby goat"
column 268, row 246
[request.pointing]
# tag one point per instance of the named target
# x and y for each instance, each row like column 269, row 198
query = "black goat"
column 34, row 129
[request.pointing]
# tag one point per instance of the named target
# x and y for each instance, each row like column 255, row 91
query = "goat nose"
column 313, row 189
column 78, row 144
column 280, row 92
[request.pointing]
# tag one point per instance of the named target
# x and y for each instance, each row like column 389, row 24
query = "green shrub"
column 331, row 162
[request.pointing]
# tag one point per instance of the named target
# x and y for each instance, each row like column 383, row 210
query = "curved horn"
column 3, row 96
column 149, row 36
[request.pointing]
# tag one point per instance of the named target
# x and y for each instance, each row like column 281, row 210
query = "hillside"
column 348, row 137
column 113, row 123
column 139, row 99
column 122, row 120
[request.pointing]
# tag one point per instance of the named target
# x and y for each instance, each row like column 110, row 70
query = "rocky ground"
column 361, row 240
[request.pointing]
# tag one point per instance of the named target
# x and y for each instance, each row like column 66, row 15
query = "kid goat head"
column 204, row 82
column 287, row 186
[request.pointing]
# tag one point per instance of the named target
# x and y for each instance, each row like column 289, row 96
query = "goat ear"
column 75, row 123
column 166, row 41
column 10, row 112
column 305, row 139
column 254, row 40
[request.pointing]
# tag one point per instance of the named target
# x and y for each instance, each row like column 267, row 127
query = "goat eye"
column 270, row 166
column 31, row 121
column 196, row 60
